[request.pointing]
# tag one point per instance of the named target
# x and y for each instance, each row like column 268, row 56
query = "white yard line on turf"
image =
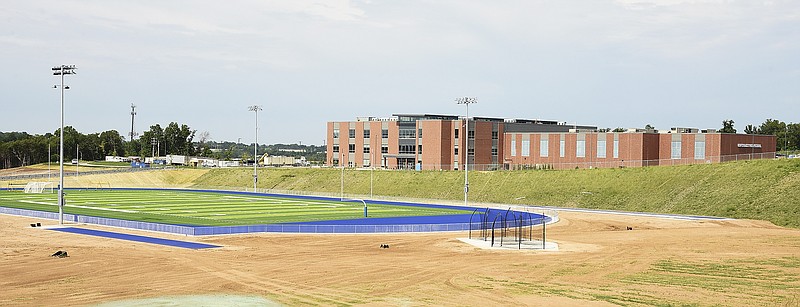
column 77, row 206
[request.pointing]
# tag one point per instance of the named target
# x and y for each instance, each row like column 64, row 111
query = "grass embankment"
column 762, row 189
column 175, row 178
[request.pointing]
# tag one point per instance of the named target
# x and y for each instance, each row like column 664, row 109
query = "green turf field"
column 205, row 208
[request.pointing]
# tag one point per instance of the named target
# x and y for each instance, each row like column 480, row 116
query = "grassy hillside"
column 764, row 190
column 176, row 178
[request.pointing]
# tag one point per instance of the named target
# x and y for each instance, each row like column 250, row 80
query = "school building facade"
column 441, row 142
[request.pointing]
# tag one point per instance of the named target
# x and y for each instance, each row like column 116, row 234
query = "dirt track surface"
column 661, row 261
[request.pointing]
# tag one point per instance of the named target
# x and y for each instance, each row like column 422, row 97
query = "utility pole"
column 61, row 71
column 255, row 108
column 466, row 101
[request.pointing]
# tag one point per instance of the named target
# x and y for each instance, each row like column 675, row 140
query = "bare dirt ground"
column 660, row 262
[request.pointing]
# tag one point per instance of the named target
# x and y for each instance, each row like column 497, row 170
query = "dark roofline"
column 488, row 119
column 436, row 116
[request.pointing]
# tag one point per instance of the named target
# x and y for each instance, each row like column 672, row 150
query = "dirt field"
column 660, row 262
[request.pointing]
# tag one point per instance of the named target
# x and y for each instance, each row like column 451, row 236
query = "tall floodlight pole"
column 61, row 71
column 341, row 163
column 255, row 108
column 786, row 138
column 466, row 101
column 48, row 160
column 371, row 170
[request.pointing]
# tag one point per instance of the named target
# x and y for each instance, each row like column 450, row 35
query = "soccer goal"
column 39, row 187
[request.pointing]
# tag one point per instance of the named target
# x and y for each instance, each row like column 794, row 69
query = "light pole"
column 786, row 138
column 341, row 186
column 61, row 71
column 255, row 108
column 153, row 147
column 466, row 101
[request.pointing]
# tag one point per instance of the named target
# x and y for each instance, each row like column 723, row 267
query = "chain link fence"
column 54, row 174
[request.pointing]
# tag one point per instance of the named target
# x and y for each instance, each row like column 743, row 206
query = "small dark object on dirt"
column 630, row 228
column 384, row 245
column 60, row 254
column 33, row 225
column 38, row 224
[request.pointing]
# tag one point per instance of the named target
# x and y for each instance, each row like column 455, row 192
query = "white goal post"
column 39, row 187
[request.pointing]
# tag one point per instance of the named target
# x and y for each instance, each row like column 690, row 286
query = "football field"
column 207, row 208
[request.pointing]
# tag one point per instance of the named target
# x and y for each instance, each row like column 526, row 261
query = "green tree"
column 150, row 140
column 72, row 139
column 178, row 139
column 91, row 147
column 793, row 137
column 133, row 147
column 750, row 129
column 5, row 156
column 619, row 129
column 727, row 126
column 772, row 127
column 112, row 143
column 173, row 140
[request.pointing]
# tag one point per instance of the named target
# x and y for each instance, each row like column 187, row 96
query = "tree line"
column 21, row 149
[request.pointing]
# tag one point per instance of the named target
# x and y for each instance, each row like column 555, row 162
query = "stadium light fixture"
column 61, row 71
column 466, row 101
column 255, row 108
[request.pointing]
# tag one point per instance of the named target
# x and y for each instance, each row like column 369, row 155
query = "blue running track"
column 135, row 238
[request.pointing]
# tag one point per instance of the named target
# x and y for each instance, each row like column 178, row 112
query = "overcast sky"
column 611, row 64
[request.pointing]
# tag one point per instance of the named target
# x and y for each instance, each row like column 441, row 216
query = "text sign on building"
column 749, row 145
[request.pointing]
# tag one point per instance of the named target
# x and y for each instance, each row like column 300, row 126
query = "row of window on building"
column 402, row 149
column 367, row 133
column 580, row 149
column 403, row 133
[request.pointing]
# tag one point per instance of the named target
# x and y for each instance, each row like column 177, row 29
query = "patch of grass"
column 583, row 292
column 736, row 270
column 785, row 262
column 750, row 279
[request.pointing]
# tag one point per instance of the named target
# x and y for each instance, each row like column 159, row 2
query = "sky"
column 624, row 63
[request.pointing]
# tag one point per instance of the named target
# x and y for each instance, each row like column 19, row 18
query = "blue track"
column 135, row 238
column 453, row 222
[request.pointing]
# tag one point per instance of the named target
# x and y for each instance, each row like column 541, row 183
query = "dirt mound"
column 600, row 263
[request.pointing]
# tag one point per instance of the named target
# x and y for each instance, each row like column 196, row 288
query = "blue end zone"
column 122, row 236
